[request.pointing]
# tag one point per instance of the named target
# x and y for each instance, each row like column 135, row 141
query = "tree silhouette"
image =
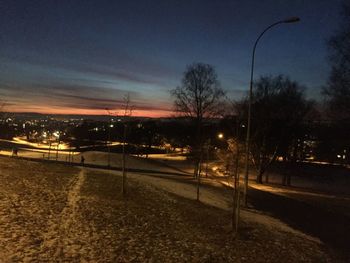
column 279, row 108
column 198, row 97
column 337, row 92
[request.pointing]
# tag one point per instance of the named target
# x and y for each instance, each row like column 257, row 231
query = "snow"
column 50, row 212
column 216, row 199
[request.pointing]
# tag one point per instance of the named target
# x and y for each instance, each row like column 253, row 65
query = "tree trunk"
column 284, row 179
column 284, row 176
column 267, row 178
column 289, row 178
column 199, row 173
column 199, row 154
column 293, row 163
column 195, row 170
column 124, row 164
column 259, row 176
column 198, row 183
column 261, row 162
column 236, row 196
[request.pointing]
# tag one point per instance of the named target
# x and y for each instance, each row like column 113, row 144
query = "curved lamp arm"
column 288, row 20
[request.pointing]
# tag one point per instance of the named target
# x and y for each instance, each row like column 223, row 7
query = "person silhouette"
column 14, row 151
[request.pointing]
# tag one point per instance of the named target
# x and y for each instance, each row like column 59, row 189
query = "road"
column 320, row 216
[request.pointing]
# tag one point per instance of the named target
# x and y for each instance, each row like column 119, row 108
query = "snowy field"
column 54, row 213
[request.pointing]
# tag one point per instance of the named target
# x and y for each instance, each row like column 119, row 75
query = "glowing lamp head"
column 220, row 135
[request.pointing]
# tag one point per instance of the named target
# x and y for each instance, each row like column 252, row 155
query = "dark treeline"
column 170, row 133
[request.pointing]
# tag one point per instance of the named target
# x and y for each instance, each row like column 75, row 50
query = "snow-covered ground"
column 54, row 213
column 95, row 158
column 222, row 200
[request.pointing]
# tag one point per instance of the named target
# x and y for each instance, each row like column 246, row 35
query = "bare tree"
column 279, row 109
column 235, row 149
column 198, row 97
column 127, row 108
column 337, row 92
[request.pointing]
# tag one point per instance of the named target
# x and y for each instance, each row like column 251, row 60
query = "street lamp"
column 220, row 135
column 288, row 20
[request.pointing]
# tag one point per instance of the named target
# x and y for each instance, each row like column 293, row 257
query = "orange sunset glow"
column 71, row 111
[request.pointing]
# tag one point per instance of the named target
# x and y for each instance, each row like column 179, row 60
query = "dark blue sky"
column 83, row 56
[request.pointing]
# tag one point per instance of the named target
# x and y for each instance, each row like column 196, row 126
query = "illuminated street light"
column 56, row 134
column 220, row 135
column 288, row 20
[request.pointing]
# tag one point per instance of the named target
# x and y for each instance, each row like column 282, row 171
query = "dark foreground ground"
column 317, row 216
column 54, row 213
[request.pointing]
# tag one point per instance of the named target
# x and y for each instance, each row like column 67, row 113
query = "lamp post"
column 246, row 177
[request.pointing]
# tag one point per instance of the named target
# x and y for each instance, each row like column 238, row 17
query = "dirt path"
column 67, row 235
column 69, row 222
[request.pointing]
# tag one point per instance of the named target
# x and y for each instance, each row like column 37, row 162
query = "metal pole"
column 124, row 163
column 247, row 142
column 109, row 140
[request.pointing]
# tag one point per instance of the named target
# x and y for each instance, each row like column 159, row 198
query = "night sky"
column 84, row 56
